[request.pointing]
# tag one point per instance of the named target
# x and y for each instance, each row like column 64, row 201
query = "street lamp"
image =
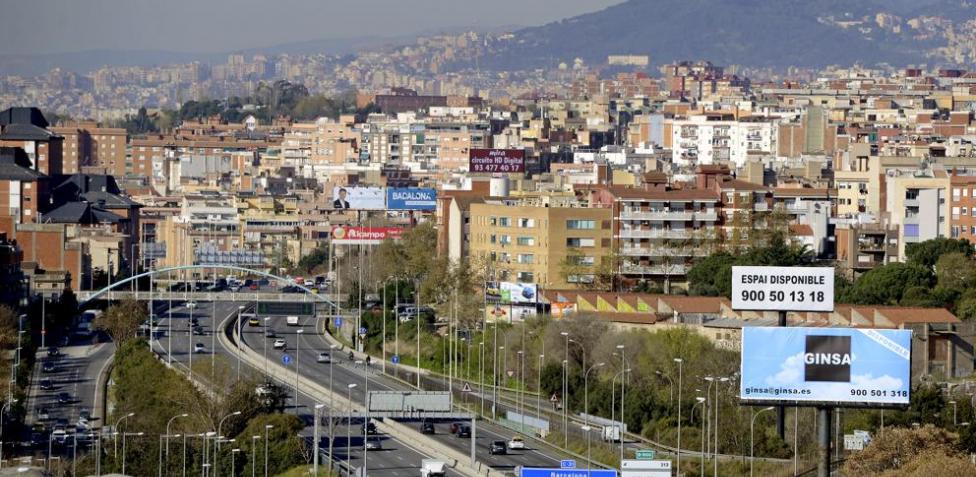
column 134, row 434
column 700, row 400
column 623, row 419
column 586, row 412
column 613, row 402
column 2, row 411
column 349, row 426
column 170, row 421
column 298, row 344
column 332, row 348
column 679, row 361
column 315, row 438
column 565, row 334
column 717, row 409
column 953, row 413
column 254, row 454
column 233, row 461
column 752, row 442
column 219, row 435
column 267, row 428
column 670, row 386
column 240, row 338
column 115, row 430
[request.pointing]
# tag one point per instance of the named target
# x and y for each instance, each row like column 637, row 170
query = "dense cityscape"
column 413, row 258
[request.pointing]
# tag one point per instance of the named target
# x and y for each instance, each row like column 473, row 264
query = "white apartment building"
column 701, row 140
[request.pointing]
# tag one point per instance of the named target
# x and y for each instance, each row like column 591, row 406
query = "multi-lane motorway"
column 396, row 457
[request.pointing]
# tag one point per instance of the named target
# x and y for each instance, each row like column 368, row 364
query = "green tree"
column 707, row 277
column 285, row 447
column 955, row 271
column 927, row 253
column 886, row 285
column 121, row 321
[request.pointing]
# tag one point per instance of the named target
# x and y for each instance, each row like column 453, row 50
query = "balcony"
column 663, row 252
column 667, row 270
column 656, row 234
column 656, row 215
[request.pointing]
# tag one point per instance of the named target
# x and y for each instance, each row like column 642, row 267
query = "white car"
column 279, row 343
column 516, row 443
column 199, row 348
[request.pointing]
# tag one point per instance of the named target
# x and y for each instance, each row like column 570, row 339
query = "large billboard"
column 496, row 160
column 783, row 288
column 362, row 198
column 847, row 366
column 512, row 293
column 411, row 199
column 348, row 235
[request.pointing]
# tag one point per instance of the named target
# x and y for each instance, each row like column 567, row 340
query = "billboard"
column 496, row 160
column 362, row 198
column 349, row 235
column 512, row 293
column 783, row 288
column 848, row 366
column 411, row 199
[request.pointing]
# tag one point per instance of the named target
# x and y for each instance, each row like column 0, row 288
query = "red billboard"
column 497, row 160
column 342, row 234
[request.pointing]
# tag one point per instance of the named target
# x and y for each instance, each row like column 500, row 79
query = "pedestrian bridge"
column 84, row 296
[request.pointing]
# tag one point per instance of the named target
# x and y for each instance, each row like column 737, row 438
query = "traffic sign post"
column 567, row 464
column 395, row 359
column 645, row 468
column 362, row 332
column 466, row 388
column 338, row 322
column 646, row 454
column 285, row 359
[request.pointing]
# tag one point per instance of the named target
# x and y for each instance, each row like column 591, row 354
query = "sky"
column 212, row 26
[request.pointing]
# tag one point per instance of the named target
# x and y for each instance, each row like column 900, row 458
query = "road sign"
column 395, row 359
column 567, row 464
column 853, row 442
column 466, row 388
column 646, row 454
column 554, row 398
column 645, row 468
column 783, row 288
column 510, row 373
column 338, row 322
column 362, row 331
column 550, row 472
column 286, row 359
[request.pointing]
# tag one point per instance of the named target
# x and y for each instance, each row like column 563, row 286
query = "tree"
column 706, row 278
column 927, row 253
column 121, row 321
column 954, row 270
column 886, row 285
column 924, row 451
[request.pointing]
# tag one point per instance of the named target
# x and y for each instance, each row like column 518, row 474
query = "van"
column 84, row 329
column 291, row 321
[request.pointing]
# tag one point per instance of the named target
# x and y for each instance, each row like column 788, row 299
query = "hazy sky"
column 44, row 26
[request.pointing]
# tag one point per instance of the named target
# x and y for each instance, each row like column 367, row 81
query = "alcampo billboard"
column 845, row 366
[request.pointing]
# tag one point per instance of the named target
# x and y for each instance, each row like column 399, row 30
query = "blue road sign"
column 362, row 330
column 286, row 359
column 396, row 359
column 567, row 464
column 551, row 472
column 338, row 322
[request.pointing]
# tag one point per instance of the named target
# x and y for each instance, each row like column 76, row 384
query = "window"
column 573, row 224
column 955, row 211
column 580, row 242
column 504, row 222
column 525, row 277
column 493, row 239
column 582, row 260
column 911, row 230
column 493, row 221
column 956, row 192
column 526, row 223
column 530, row 241
column 911, row 194
column 965, row 211
column 525, row 258
column 580, row 279
column 506, row 240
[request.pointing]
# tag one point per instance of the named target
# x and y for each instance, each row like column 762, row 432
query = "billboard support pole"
column 780, row 410
column 823, row 441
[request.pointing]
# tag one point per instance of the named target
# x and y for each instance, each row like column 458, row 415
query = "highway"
column 396, row 459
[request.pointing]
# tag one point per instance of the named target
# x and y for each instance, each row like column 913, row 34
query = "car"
column 193, row 322
column 53, row 351
column 464, row 430
column 369, row 428
column 43, row 413
column 324, row 357
column 60, row 436
column 291, row 321
column 264, row 282
column 84, row 414
column 47, row 384
column 516, row 443
column 497, row 448
column 253, row 321
column 455, row 426
column 198, row 330
column 269, row 333
column 64, row 398
column 49, row 367
column 199, row 348
column 254, row 286
column 427, row 427
column 374, row 443
column 279, row 343
column 265, row 389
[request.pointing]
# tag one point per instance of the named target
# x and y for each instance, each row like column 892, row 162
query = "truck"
column 611, row 433
column 432, row 468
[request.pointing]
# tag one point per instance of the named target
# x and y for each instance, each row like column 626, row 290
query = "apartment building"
column 962, row 219
column 23, row 190
column 26, row 128
column 862, row 247
column 558, row 246
column 918, row 204
column 714, row 138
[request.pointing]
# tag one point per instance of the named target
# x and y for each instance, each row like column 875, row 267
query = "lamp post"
column 315, row 438
column 538, row 387
column 718, row 406
column 623, row 419
column 115, row 450
column 331, row 403
column 565, row 401
column 349, row 427
column 752, row 442
column 240, row 338
column 481, row 375
column 267, row 427
column 670, row 386
column 219, row 436
column 953, row 413
column 123, row 446
column 233, row 462
column 679, row 361
column 2, row 411
column 521, row 356
column 254, row 455
column 700, row 400
column 170, row 421
column 266, row 320
column 613, row 398
column 586, row 412
column 298, row 344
